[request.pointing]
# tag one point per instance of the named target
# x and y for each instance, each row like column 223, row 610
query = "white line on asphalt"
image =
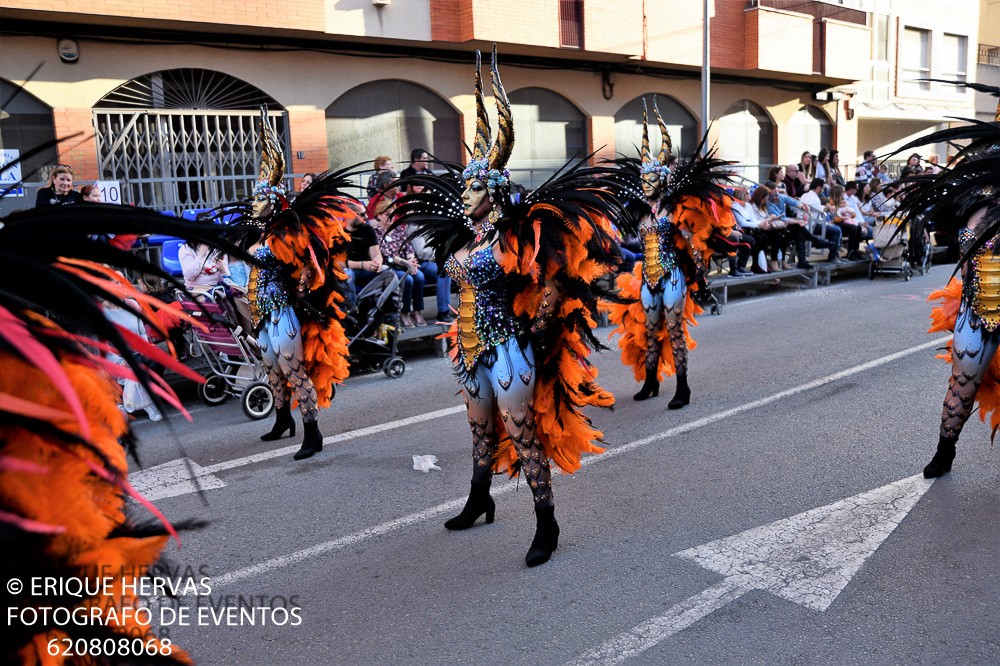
column 333, row 439
column 414, row 518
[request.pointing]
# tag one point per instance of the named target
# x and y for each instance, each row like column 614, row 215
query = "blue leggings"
column 665, row 299
column 280, row 341
column 504, row 382
column 972, row 351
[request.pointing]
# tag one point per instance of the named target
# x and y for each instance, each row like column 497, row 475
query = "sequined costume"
column 527, row 270
column 64, row 443
column 682, row 218
column 964, row 199
column 297, row 288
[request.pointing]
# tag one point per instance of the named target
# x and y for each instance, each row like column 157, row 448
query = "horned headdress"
column 270, row 182
column 659, row 165
column 489, row 158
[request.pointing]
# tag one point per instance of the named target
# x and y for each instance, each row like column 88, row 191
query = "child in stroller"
column 374, row 326
column 893, row 249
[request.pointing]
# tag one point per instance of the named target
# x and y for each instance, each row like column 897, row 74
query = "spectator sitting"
column 823, row 167
column 376, row 193
column 865, row 221
column 91, row 194
column 807, row 168
column 836, row 176
column 741, row 236
column 431, row 271
column 849, row 220
column 418, row 164
column 813, row 204
column 795, row 182
column 768, row 228
column 777, row 174
column 364, row 259
column 868, row 169
column 202, row 267
column 912, row 167
column 58, row 190
column 381, row 163
column 398, row 254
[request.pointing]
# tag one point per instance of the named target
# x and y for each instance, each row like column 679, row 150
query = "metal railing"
column 989, row 55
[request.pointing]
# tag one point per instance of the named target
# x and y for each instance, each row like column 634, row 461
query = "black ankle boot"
column 546, row 537
column 650, row 388
column 282, row 421
column 683, row 394
column 479, row 502
column 312, row 443
column 940, row 464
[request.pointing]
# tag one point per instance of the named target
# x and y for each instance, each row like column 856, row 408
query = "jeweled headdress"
column 659, row 165
column 270, row 182
column 489, row 161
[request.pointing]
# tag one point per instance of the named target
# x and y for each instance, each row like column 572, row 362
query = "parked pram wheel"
column 394, row 368
column 871, row 270
column 907, row 272
column 258, row 401
column 213, row 391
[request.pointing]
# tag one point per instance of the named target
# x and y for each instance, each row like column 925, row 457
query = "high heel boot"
column 312, row 443
column 546, row 537
column 683, row 394
column 479, row 502
column 282, row 421
column 940, row 464
column 650, row 388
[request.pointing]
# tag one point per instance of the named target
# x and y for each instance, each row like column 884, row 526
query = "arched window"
column 746, row 136
column 682, row 125
column 549, row 130
column 809, row 129
column 183, row 138
column 392, row 117
column 25, row 124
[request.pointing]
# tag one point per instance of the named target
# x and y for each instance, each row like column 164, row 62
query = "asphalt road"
column 785, row 417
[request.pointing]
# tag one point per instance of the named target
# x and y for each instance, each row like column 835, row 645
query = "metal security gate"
column 183, row 138
column 181, row 159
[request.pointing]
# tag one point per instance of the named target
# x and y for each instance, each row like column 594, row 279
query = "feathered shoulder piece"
column 63, row 468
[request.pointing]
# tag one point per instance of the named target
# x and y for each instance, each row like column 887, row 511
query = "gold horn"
column 483, row 138
column 646, row 157
column 272, row 158
column 666, row 146
column 501, row 149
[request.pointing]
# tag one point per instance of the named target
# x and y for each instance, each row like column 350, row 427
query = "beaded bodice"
column 982, row 282
column 658, row 255
column 485, row 315
column 266, row 289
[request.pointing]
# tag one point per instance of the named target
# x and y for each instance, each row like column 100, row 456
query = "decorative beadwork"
column 268, row 292
column 480, row 170
column 659, row 255
column 489, row 320
column 982, row 285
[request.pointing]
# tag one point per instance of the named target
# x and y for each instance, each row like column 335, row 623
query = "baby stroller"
column 374, row 332
column 890, row 249
column 233, row 365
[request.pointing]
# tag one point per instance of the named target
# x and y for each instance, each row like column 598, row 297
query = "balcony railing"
column 989, row 55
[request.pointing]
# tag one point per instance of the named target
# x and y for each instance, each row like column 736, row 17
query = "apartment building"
column 162, row 96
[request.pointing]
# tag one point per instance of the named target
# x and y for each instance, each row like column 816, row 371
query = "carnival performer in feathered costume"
column 298, row 288
column 685, row 215
column 965, row 199
column 526, row 269
column 63, row 440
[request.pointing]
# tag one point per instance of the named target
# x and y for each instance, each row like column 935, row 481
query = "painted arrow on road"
column 807, row 559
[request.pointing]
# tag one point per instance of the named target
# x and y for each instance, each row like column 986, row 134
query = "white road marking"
column 807, row 559
column 177, row 477
column 171, row 479
column 412, row 519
